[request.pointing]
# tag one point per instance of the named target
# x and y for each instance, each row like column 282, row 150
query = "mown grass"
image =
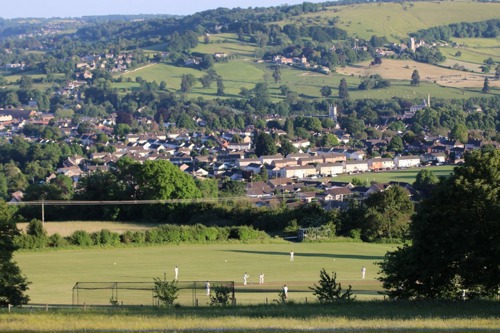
column 407, row 175
column 343, row 317
column 54, row 273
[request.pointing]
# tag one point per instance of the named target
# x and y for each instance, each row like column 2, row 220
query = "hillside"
column 396, row 20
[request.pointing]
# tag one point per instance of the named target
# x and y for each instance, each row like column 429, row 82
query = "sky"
column 69, row 8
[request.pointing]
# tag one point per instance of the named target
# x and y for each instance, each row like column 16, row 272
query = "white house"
column 355, row 166
column 330, row 169
column 406, row 161
column 298, row 171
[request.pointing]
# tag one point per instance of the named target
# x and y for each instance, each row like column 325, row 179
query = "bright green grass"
column 407, row 175
column 246, row 73
column 227, row 43
column 476, row 56
column 396, row 20
column 54, row 273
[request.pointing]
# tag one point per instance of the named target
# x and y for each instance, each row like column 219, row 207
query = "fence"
column 191, row 293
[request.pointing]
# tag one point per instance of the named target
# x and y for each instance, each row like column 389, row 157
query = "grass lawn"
column 407, row 175
column 54, row 273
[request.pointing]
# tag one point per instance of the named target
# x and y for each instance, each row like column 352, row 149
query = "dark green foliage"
column 81, row 238
column 374, row 82
column 343, row 89
column 13, row 284
column 329, row 291
column 166, row 292
column 415, row 78
column 265, row 145
column 221, row 297
column 455, row 237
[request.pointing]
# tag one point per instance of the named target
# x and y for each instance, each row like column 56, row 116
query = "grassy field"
column 54, row 273
column 353, row 317
column 396, row 20
column 407, row 175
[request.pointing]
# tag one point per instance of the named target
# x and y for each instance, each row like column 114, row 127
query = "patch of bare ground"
column 403, row 69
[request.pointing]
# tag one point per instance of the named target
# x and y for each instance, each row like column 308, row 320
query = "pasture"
column 54, row 273
column 396, row 20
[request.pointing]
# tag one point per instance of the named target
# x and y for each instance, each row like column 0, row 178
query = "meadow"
column 396, row 20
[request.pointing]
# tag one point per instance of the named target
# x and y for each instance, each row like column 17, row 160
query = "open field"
column 245, row 73
column 402, row 70
column 406, row 176
column 352, row 317
column 68, row 227
column 396, row 20
column 54, row 273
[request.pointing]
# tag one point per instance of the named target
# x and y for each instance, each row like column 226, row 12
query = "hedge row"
column 163, row 234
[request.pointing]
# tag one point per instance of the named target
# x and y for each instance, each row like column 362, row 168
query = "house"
column 433, row 158
column 310, row 160
column 406, row 161
column 336, row 194
column 355, row 166
column 284, row 162
column 381, row 163
column 242, row 163
column 333, row 157
column 297, row 156
column 298, row 171
column 268, row 159
column 307, row 196
column 352, row 154
column 330, row 169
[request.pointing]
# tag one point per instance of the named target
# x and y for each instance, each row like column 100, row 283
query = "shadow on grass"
column 309, row 255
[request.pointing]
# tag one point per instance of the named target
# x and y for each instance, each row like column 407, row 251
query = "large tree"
column 265, row 145
column 415, row 78
column 13, row 284
column 343, row 89
column 455, row 237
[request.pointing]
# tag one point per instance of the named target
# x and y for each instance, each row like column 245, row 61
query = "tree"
column 166, row 292
column 396, row 144
column 277, row 74
column 326, row 91
column 425, row 180
column 162, row 180
column 415, row 78
column 220, row 86
column 329, row 291
column 13, row 284
column 455, row 237
column 343, row 89
column 329, row 140
column 486, row 86
column 460, row 132
column 264, row 145
column 387, row 215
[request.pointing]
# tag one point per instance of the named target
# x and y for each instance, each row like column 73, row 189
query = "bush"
column 107, row 237
column 81, row 238
column 56, row 240
column 222, row 296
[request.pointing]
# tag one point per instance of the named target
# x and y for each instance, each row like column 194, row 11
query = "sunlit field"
column 54, row 273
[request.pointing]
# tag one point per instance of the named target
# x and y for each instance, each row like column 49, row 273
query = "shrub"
column 127, row 237
column 139, row 237
column 166, row 292
column 81, row 238
column 329, row 290
column 56, row 240
column 107, row 237
column 222, row 296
